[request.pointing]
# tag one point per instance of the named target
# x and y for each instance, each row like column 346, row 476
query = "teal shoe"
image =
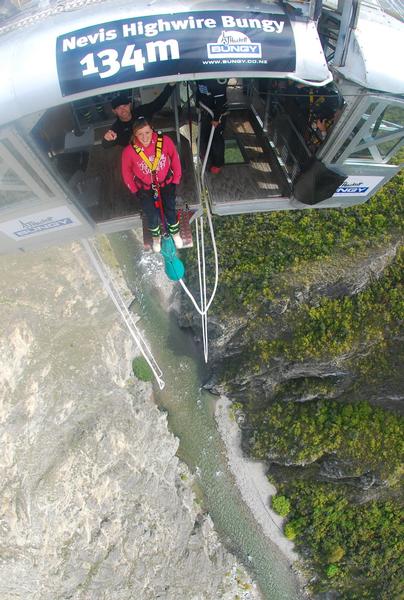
column 174, row 268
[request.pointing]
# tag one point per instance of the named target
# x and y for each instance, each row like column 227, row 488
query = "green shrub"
column 234, row 409
column 332, row 571
column 141, row 369
column 336, row 554
column 289, row 531
column 281, row 505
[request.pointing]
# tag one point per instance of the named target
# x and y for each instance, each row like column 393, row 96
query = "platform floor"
column 257, row 179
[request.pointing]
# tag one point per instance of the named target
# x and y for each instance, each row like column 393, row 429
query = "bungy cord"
column 200, row 245
column 123, row 310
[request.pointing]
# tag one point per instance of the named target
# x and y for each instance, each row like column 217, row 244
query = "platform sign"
column 40, row 223
column 174, row 44
column 358, row 185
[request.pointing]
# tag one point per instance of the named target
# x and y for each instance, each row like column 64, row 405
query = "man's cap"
column 119, row 100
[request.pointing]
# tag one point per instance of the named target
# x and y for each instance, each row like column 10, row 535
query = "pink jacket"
column 137, row 175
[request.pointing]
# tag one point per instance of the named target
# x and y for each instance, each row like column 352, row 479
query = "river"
column 191, row 418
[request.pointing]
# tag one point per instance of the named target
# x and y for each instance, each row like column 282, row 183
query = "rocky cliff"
column 94, row 502
column 234, row 339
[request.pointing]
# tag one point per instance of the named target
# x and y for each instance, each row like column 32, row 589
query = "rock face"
column 347, row 377
column 232, row 337
column 94, row 502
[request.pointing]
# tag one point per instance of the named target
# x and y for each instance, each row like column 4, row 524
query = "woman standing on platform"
column 151, row 169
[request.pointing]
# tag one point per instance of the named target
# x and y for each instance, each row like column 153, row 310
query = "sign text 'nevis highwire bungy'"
column 164, row 45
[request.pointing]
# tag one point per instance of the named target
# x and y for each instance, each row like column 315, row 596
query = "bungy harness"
column 174, row 267
column 153, row 170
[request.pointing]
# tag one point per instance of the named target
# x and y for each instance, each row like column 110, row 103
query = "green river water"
column 191, row 419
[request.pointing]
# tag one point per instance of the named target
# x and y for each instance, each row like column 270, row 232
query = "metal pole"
column 267, row 106
column 349, row 19
column 177, row 122
column 315, row 9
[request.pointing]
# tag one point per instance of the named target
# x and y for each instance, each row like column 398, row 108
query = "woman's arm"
column 174, row 160
column 127, row 170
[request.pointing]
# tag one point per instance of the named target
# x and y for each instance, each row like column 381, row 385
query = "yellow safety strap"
column 159, row 148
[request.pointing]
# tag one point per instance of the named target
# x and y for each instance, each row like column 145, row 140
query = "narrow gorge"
column 306, row 342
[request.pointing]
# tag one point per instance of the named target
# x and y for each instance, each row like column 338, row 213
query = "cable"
column 205, row 316
column 200, row 246
column 127, row 317
column 202, row 310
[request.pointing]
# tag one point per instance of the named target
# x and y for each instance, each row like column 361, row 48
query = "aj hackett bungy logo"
column 352, row 188
column 172, row 44
column 46, row 221
column 234, row 44
column 33, row 226
column 361, row 186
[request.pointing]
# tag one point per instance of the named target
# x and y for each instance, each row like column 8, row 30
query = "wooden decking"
column 255, row 181
column 115, row 200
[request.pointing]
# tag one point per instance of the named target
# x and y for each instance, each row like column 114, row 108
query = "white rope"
column 205, row 158
column 126, row 315
column 202, row 284
column 203, row 304
column 199, row 250
column 200, row 247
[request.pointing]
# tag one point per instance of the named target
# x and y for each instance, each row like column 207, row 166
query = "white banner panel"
column 40, row 223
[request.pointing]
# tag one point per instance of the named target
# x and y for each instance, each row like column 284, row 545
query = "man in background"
column 121, row 130
column 212, row 98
